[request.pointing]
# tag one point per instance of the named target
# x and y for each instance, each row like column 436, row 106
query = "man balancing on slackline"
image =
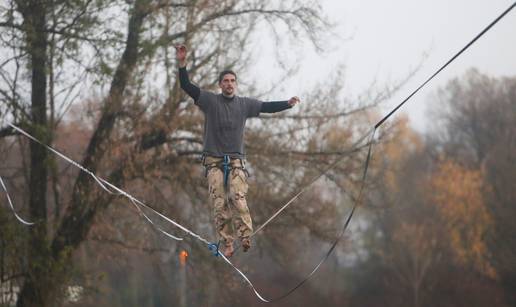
column 225, row 115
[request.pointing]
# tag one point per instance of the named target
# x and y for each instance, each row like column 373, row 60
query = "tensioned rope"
column 12, row 206
column 356, row 202
column 377, row 125
column 366, row 166
column 112, row 189
column 104, row 184
column 316, row 178
column 446, row 64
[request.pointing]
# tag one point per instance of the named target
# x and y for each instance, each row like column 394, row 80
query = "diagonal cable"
column 446, row 64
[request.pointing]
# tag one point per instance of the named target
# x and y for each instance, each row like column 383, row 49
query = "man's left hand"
column 293, row 101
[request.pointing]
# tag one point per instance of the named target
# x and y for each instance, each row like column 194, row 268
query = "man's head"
column 228, row 83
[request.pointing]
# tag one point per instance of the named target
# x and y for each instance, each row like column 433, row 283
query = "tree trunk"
column 42, row 288
column 34, row 20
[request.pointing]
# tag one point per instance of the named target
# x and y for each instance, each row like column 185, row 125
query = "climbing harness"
column 225, row 165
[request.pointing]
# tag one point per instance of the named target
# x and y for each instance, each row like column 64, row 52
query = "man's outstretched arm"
column 278, row 106
column 191, row 89
column 187, row 86
column 274, row 106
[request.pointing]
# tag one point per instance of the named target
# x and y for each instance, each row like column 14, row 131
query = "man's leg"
column 241, row 215
column 221, row 210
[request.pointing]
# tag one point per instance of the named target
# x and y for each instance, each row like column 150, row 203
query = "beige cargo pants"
column 230, row 211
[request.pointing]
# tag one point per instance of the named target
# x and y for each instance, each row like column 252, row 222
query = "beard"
column 228, row 92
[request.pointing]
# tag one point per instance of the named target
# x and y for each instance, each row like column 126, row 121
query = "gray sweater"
column 225, row 117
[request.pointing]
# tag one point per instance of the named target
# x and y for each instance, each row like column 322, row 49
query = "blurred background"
column 97, row 80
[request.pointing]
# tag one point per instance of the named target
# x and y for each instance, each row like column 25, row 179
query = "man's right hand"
column 181, row 55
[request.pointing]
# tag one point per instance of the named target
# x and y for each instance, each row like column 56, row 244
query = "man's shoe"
column 228, row 250
column 246, row 244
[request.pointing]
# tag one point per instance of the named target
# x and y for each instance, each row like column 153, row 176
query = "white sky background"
column 389, row 38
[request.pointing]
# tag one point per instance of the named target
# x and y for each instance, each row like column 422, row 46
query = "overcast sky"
column 391, row 37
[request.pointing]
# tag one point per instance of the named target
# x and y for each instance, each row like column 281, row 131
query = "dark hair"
column 225, row 72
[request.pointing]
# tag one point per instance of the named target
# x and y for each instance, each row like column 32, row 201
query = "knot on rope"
column 214, row 248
